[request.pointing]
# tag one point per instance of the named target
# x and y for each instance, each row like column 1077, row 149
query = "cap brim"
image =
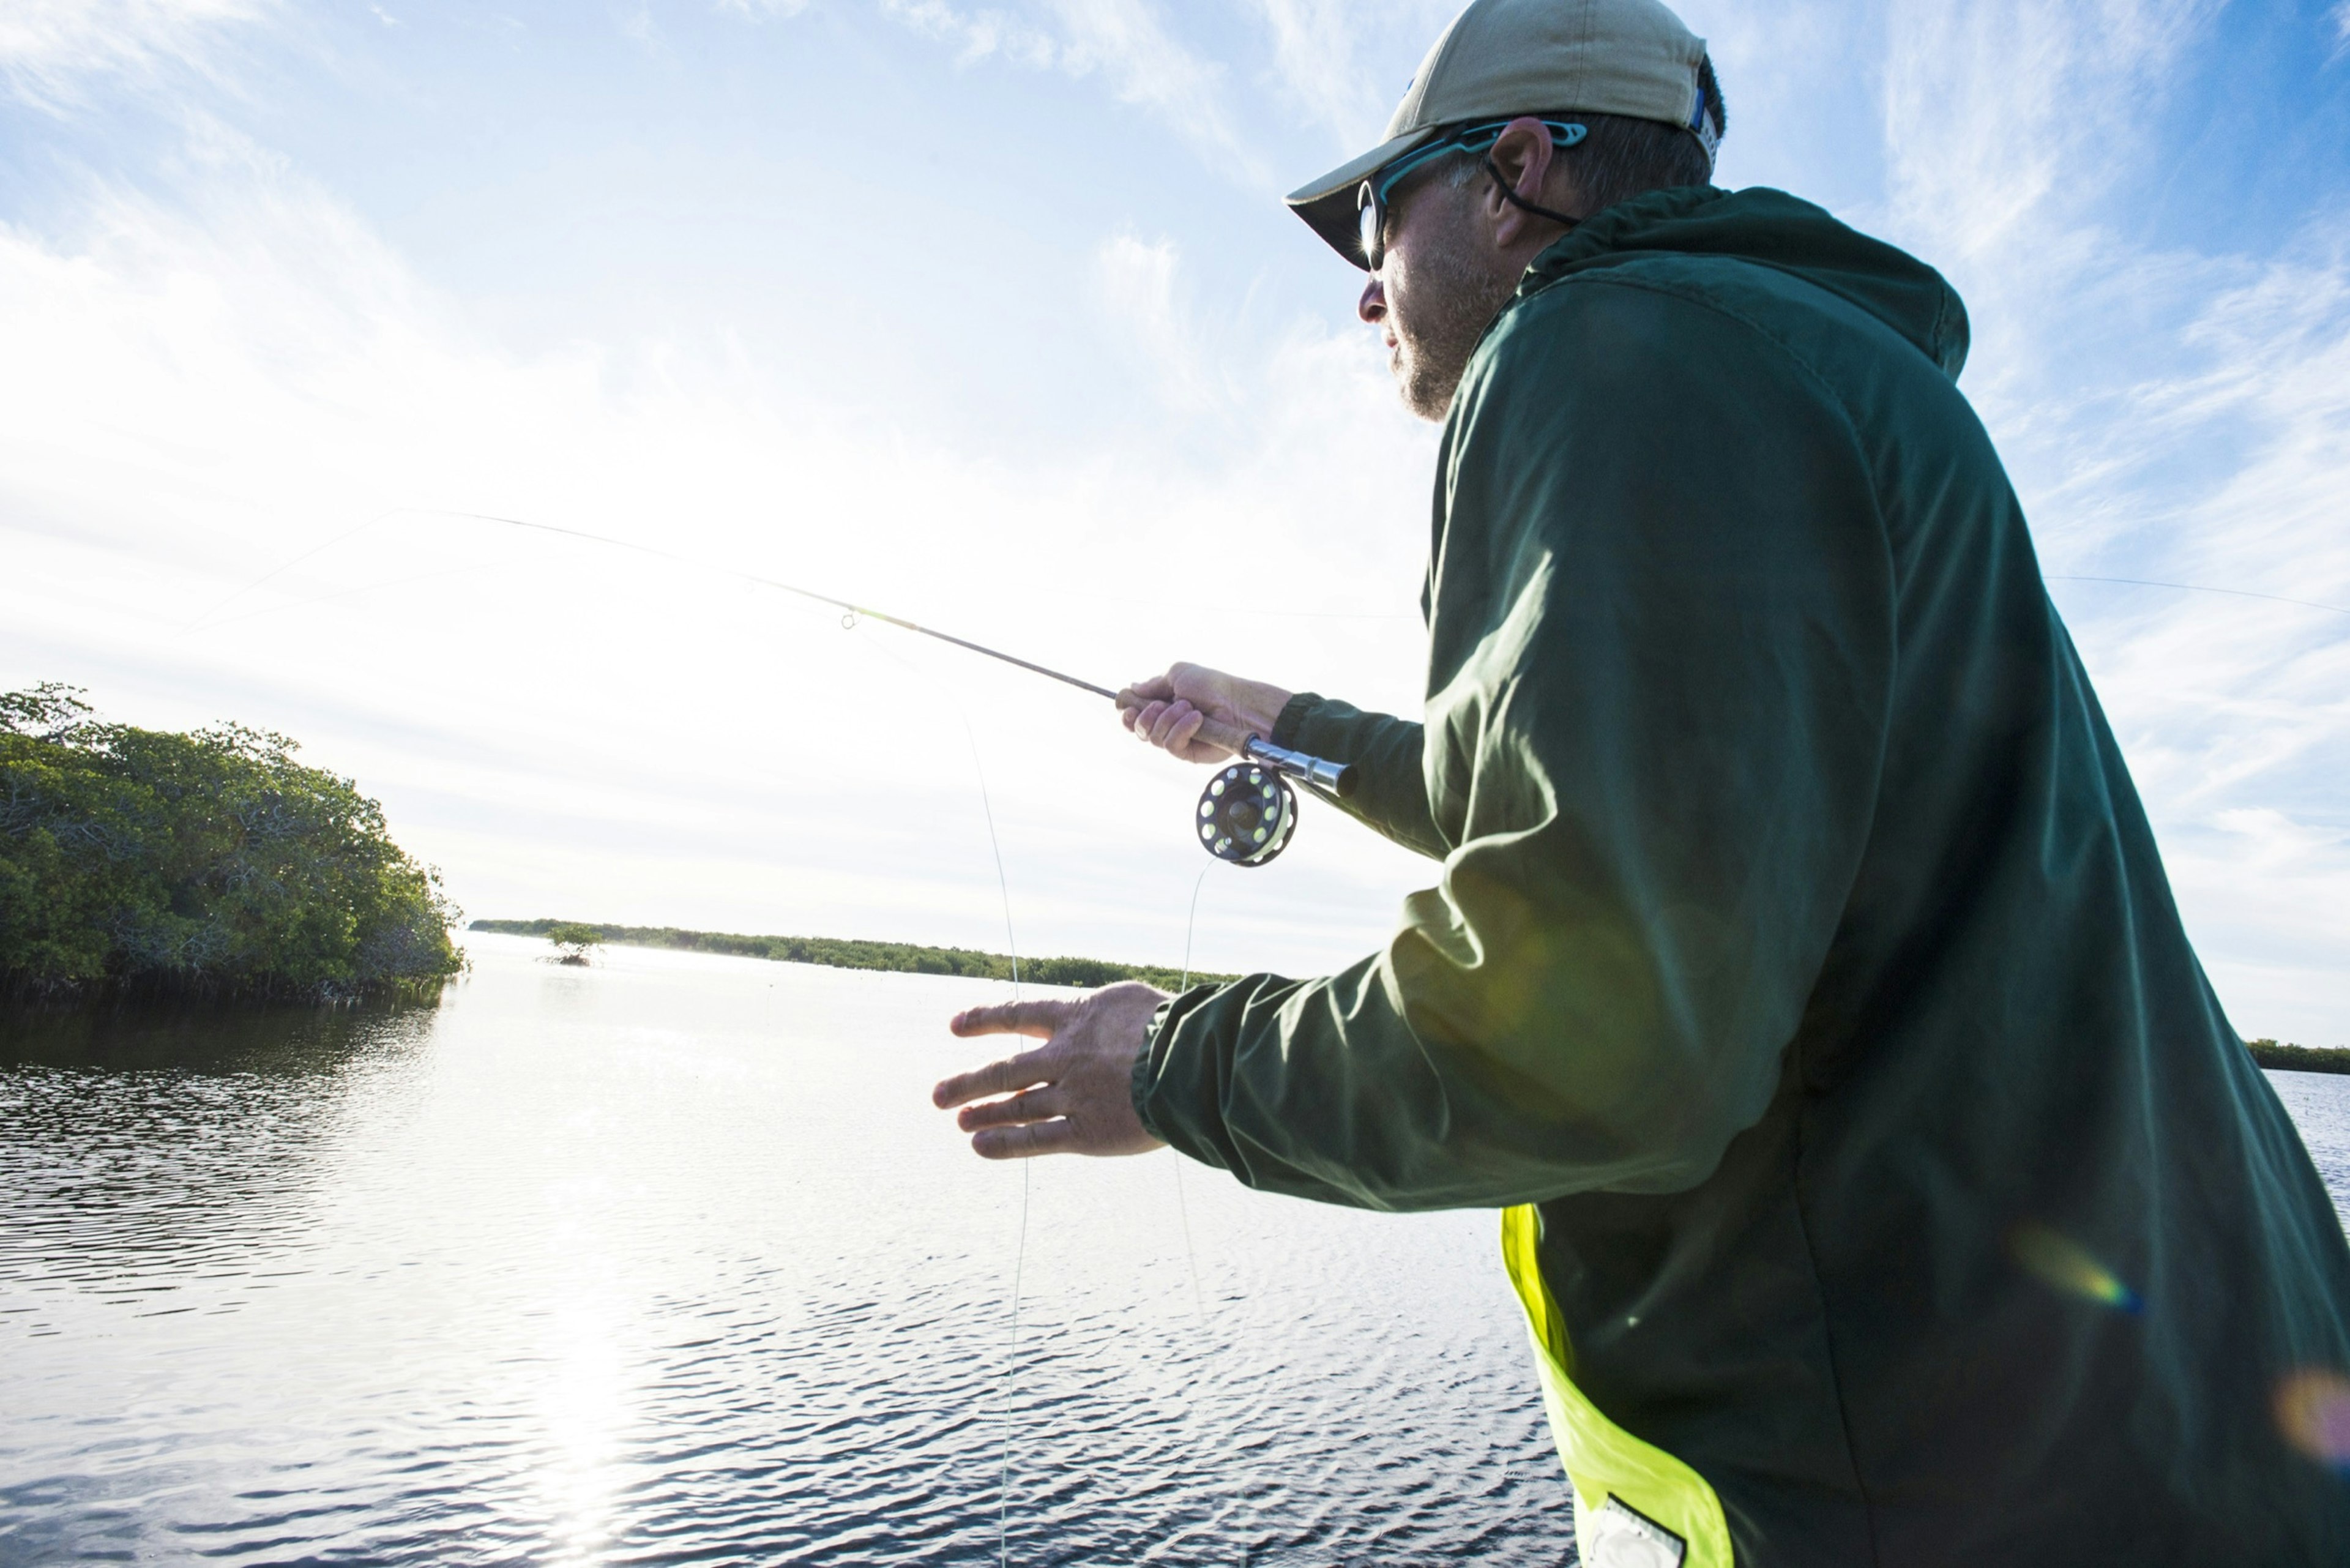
column 1328, row 204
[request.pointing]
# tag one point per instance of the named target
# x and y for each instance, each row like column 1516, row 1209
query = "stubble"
column 1439, row 305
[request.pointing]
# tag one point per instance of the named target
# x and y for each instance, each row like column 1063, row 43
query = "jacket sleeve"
column 1662, row 650
column 1390, row 790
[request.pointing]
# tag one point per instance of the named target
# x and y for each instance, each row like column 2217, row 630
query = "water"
column 669, row 1260
column 2319, row 1104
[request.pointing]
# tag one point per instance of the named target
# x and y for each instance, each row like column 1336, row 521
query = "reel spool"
column 1246, row 815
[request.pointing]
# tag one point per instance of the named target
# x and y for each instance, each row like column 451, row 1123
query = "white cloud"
column 1123, row 41
column 1136, row 280
column 200, row 391
column 1988, row 103
column 1148, row 68
column 977, row 34
column 205, row 386
column 1315, row 58
column 2167, row 415
column 49, row 49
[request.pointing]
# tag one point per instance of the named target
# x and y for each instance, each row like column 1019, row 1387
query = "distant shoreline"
column 2300, row 1058
column 909, row 958
column 897, row 958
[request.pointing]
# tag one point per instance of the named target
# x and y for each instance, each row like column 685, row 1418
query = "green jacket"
column 1801, row 947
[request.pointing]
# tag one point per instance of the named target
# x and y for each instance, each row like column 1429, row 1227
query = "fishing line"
column 1246, row 815
column 337, row 593
column 1011, row 1365
column 287, row 565
column 618, row 543
column 1020, row 1251
column 986, row 802
column 853, row 612
column 2199, row 588
column 1259, row 790
column 858, row 610
column 1182, row 1208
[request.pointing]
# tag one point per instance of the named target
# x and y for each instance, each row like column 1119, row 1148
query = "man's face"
column 1438, row 287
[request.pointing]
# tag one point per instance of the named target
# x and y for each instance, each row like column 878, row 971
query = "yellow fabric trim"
column 1602, row 1459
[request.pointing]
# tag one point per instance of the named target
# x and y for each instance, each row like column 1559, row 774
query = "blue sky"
column 991, row 316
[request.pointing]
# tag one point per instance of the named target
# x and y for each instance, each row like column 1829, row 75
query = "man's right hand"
column 1172, row 707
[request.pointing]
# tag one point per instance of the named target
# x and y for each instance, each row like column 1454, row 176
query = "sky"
column 991, row 317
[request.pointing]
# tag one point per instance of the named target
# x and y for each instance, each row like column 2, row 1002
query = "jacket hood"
column 1773, row 229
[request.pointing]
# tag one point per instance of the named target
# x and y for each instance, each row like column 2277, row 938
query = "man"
column 1882, row 1180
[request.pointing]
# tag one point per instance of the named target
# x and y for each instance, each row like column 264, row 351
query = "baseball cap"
column 1500, row 58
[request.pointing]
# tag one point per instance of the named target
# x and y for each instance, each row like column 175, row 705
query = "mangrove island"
column 208, row 864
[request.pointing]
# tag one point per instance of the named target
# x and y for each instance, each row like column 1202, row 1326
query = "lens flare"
column 2060, row 1263
column 2313, row 1405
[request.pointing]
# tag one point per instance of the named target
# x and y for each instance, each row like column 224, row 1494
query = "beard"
column 1439, row 306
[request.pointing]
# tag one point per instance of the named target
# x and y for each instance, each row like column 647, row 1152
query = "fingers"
column 1035, row 1105
column 1073, row 1096
column 1024, row 1142
column 1042, row 1019
column 1002, row 1078
column 1164, row 723
column 1170, row 726
column 1156, row 688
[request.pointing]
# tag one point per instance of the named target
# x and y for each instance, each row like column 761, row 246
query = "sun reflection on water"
column 581, row 1394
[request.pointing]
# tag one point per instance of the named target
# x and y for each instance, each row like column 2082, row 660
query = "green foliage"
column 208, row 864
column 903, row 958
column 573, row 940
column 2300, row 1058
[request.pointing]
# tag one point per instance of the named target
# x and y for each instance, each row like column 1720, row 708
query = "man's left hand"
column 1072, row 1095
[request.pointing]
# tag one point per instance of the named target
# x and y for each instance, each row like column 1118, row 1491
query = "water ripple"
column 670, row 1262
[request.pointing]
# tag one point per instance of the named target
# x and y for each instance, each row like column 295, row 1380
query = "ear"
column 1523, row 155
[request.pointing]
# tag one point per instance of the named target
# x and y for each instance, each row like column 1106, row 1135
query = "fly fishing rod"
column 1246, row 813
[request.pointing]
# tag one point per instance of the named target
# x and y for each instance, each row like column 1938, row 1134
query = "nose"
column 1373, row 307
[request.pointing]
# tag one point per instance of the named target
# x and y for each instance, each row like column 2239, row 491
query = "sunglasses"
column 1371, row 200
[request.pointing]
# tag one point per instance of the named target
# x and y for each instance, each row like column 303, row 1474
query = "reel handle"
column 1338, row 778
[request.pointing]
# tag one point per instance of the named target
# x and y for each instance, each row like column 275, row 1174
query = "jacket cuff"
column 1150, row 1061
column 1294, row 715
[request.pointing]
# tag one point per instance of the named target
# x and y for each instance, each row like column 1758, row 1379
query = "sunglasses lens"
column 1367, row 216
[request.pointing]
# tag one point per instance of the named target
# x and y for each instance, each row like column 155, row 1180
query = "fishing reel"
column 1249, row 809
column 1246, row 815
